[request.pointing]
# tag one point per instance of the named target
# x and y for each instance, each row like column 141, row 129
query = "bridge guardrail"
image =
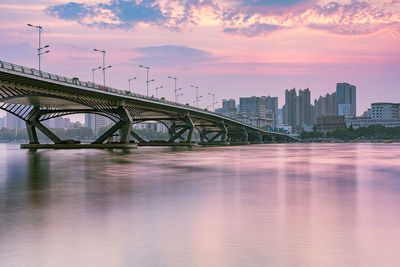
column 54, row 77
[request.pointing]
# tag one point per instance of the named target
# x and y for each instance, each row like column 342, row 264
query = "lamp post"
column 181, row 94
column 157, row 90
column 213, row 102
column 129, row 82
column 40, row 48
column 106, row 67
column 197, row 101
column 147, row 77
column 175, row 90
column 93, row 70
column 104, row 64
column 147, row 83
column 197, row 95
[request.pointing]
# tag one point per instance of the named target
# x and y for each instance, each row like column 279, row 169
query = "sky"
column 230, row 48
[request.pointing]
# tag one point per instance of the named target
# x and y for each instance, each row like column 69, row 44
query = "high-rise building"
column 96, row 122
column 346, row 99
column 254, row 109
column 100, row 122
column 271, row 104
column 229, row 107
column 297, row 108
column 289, row 109
column 90, row 121
column 325, row 105
column 2, row 122
column 303, row 108
column 13, row 122
column 252, row 106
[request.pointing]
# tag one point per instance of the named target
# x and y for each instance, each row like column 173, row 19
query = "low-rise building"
column 357, row 122
column 330, row 123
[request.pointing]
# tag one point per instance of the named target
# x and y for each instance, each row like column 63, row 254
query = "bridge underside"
column 36, row 105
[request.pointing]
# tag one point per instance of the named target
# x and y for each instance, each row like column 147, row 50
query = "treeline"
column 373, row 132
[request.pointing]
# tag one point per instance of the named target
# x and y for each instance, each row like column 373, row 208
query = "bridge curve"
column 35, row 96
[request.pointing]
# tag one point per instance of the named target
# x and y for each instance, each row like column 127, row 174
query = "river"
column 260, row 205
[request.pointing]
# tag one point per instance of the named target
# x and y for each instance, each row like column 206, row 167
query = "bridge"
column 36, row 96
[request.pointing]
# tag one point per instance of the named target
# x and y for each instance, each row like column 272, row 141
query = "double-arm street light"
column 175, row 90
column 197, row 95
column 40, row 48
column 147, row 77
column 213, row 102
column 178, row 95
column 129, row 82
column 104, row 64
column 93, row 70
column 197, row 101
column 157, row 90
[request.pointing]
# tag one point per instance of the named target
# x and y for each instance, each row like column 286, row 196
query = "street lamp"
column 213, row 103
column 197, row 95
column 197, row 101
column 104, row 64
column 129, row 82
column 175, row 90
column 40, row 48
column 147, row 77
column 93, row 70
column 157, row 90
column 147, row 83
column 181, row 94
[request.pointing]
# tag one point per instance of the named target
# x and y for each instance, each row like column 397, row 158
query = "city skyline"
column 211, row 45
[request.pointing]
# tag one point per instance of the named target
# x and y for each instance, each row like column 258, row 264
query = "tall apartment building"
column 303, row 108
column 271, row 105
column 346, row 99
column 289, row 109
column 297, row 108
column 325, row 105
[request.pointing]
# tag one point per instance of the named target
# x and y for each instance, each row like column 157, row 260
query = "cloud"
column 350, row 18
column 248, row 18
column 253, row 29
column 114, row 14
column 171, row 55
column 70, row 11
column 272, row 3
column 354, row 18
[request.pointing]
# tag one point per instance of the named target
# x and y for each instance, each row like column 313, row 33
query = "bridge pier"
column 33, row 122
column 187, row 127
column 124, row 126
column 222, row 134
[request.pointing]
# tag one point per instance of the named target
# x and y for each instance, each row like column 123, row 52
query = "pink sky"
column 230, row 48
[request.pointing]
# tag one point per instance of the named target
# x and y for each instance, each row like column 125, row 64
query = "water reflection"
column 268, row 205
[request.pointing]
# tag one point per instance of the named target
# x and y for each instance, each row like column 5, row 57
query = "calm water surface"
column 266, row 205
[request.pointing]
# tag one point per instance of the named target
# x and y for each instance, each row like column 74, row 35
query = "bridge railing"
column 91, row 85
